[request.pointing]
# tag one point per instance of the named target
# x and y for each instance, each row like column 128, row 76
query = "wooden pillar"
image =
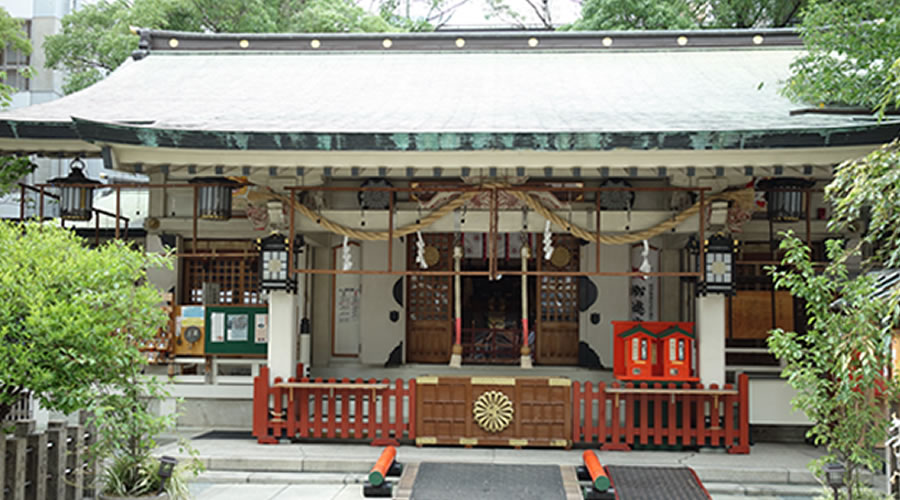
column 36, row 467
column 282, row 351
column 525, row 351
column 56, row 459
column 74, row 462
column 456, row 356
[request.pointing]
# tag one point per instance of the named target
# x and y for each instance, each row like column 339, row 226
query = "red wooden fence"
column 613, row 418
column 378, row 411
column 618, row 418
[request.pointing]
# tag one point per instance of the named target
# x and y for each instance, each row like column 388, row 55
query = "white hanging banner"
column 644, row 291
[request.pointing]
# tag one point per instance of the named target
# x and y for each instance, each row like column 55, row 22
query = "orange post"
column 598, row 475
column 380, row 470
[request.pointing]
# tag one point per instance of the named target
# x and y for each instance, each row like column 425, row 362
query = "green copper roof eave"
column 113, row 133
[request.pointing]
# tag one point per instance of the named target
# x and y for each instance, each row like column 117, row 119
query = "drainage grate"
column 437, row 481
column 641, row 483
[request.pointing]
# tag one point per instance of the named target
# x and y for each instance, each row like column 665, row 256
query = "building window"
column 14, row 62
column 235, row 278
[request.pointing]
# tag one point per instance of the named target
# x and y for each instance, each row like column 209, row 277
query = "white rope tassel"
column 420, row 251
column 645, row 264
column 347, row 257
column 548, row 241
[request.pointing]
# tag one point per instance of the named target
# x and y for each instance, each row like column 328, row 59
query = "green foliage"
column 13, row 168
column 868, row 188
column 851, row 46
column 96, row 38
column 862, row 492
column 12, row 36
column 686, row 14
column 70, row 315
column 325, row 16
column 838, row 365
column 637, row 15
column 126, row 431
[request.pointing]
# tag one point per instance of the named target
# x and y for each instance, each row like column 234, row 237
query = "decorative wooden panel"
column 238, row 279
column 429, row 309
column 493, row 411
column 750, row 313
column 557, row 326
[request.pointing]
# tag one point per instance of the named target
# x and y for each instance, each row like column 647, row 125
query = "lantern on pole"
column 718, row 277
column 76, row 200
column 274, row 252
column 784, row 198
column 214, row 197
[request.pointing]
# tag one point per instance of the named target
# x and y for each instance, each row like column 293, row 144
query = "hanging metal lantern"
column 274, row 252
column 785, row 202
column 214, row 197
column 76, row 199
column 718, row 277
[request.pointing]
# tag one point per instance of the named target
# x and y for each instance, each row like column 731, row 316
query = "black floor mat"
column 225, row 435
column 436, row 481
column 642, row 483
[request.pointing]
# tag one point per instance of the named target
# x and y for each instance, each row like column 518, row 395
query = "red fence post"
column 344, row 395
column 629, row 400
column 618, row 399
column 373, row 410
column 358, row 411
column 600, row 396
column 412, row 410
column 385, row 438
column 588, row 413
column 261, row 407
column 643, row 414
column 576, row 412
column 743, row 416
column 672, row 428
column 701, row 417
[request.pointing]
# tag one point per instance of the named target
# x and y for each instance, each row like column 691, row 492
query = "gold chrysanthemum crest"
column 493, row 411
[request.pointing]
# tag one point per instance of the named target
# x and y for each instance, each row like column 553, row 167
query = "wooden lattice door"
column 557, row 326
column 429, row 321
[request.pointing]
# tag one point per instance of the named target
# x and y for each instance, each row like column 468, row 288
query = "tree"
column 838, row 366
column 539, row 10
column 851, row 46
column 418, row 15
column 686, row 14
column 70, row 317
column 97, row 38
column 12, row 37
column 637, row 15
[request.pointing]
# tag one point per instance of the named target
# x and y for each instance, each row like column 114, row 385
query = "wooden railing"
column 381, row 412
column 621, row 417
column 22, row 409
column 613, row 418
column 48, row 465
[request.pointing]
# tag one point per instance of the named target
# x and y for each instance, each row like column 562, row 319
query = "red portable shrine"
column 677, row 350
column 653, row 351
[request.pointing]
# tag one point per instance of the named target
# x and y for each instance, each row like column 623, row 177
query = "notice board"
column 237, row 330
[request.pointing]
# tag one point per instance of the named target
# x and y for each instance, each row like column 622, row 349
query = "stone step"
column 726, row 491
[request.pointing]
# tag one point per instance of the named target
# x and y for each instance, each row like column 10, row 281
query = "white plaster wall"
column 21, row 9
column 612, row 298
column 770, row 403
column 379, row 334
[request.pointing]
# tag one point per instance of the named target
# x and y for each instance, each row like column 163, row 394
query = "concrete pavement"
column 241, row 469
